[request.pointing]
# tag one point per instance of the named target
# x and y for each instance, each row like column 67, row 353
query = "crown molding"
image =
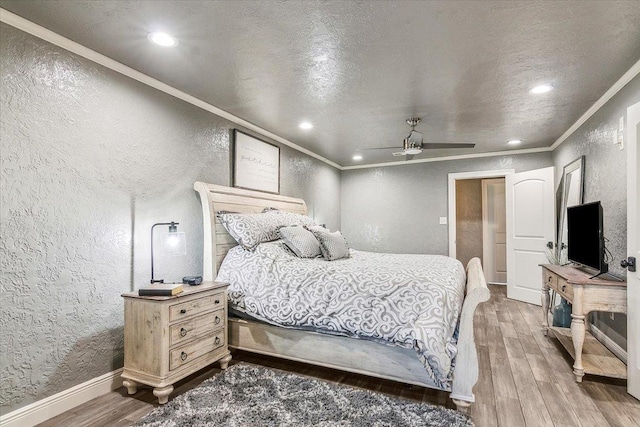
column 63, row 42
column 447, row 158
column 617, row 86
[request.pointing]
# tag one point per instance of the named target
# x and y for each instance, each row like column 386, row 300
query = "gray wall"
column 90, row 159
column 605, row 180
column 468, row 219
column 397, row 208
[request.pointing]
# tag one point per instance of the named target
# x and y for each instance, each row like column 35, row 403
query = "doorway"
column 477, row 212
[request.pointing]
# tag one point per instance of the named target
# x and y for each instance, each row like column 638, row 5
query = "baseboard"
column 609, row 343
column 52, row 406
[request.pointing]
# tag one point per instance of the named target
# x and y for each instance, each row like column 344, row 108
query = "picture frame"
column 256, row 163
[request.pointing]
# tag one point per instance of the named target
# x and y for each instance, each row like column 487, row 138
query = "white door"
column 494, row 231
column 633, row 249
column 530, row 228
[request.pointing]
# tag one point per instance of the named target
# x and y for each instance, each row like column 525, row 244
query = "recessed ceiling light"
column 163, row 39
column 541, row 89
column 305, row 125
column 357, row 157
column 514, row 142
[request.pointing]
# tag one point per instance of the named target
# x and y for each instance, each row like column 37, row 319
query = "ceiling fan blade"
column 431, row 145
column 409, row 156
column 380, row 148
column 398, row 154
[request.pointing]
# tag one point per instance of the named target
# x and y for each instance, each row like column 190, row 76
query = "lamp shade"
column 172, row 243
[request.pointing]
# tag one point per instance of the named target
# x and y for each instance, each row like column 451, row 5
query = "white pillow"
column 301, row 242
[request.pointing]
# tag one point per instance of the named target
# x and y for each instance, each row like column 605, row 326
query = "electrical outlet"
column 443, row 220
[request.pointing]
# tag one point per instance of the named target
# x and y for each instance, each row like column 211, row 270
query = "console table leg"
column 162, row 393
column 545, row 308
column 577, row 336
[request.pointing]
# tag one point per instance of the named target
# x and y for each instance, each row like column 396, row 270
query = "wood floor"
column 525, row 380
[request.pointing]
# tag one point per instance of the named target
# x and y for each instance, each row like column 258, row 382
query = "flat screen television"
column 585, row 237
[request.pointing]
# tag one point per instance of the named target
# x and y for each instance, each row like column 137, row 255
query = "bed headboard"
column 214, row 198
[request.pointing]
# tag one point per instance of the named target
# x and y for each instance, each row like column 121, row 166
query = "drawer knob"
column 217, row 341
column 183, row 332
column 183, row 356
column 564, row 287
column 217, row 320
column 217, row 301
column 183, row 311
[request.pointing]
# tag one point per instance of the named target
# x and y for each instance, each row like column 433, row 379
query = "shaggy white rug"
column 250, row 395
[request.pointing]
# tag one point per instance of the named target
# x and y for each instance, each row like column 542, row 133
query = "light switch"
column 443, row 220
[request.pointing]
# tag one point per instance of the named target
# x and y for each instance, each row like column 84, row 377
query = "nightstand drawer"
column 565, row 289
column 186, row 354
column 196, row 326
column 196, row 306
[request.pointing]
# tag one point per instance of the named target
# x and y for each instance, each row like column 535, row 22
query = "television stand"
column 586, row 294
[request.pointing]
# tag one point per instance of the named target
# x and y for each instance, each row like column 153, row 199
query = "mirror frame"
column 568, row 169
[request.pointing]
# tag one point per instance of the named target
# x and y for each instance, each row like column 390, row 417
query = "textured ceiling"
column 358, row 69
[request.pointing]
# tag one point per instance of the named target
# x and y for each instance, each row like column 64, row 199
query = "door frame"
column 486, row 253
column 633, row 244
column 453, row 177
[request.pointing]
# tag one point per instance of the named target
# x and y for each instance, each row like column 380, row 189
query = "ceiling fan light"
column 413, row 151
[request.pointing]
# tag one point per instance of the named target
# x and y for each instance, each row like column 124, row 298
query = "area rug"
column 250, row 395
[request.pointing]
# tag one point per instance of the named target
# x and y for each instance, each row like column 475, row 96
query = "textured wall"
column 396, row 208
column 90, row 159
column 605, row 180
column 468, row 219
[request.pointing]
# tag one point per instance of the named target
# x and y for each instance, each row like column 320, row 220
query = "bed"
column 349, row 353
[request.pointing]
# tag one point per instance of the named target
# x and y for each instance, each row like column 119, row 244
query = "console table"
column 586, row 295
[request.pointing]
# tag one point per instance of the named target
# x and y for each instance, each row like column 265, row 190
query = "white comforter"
column 413, row 301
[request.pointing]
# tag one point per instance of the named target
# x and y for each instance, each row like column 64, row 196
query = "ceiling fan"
column 413, row 144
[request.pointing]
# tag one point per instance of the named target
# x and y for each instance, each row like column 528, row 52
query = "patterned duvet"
column 413, row 301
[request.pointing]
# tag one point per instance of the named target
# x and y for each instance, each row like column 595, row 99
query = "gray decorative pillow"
column 332, row 245
column 249, row 230
column 301, row 242
column 318, row 228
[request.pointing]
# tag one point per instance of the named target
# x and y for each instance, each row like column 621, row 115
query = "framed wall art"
column 256, row 163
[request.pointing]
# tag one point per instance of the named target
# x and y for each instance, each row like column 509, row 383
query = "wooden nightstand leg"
column 224, row 362
column 132, row 386
column 162, row 393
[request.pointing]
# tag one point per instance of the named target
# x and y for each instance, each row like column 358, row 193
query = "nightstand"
column 169, row 338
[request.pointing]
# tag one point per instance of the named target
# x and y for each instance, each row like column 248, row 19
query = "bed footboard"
column 466, row 371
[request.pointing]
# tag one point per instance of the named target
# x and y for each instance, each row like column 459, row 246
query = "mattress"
column 413, row 301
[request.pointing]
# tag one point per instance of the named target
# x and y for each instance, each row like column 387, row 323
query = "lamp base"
column 157, row 281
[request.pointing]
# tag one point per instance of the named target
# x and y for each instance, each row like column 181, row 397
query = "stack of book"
column 160, row 290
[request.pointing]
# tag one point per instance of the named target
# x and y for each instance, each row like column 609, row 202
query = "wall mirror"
column 572, row 194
